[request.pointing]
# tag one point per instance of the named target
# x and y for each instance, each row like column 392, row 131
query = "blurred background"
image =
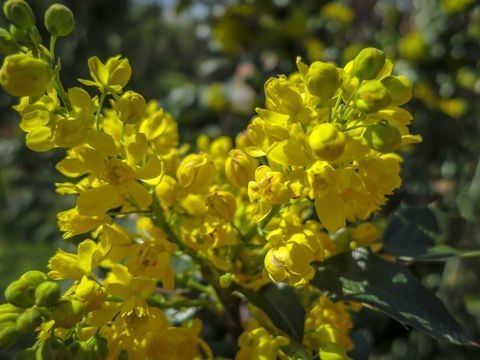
column 205, row 61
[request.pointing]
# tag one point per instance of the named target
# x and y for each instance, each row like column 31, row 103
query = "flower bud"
column 400, row 89
column 20, row 293
column 322, row 79
column 240, row 168
column 34, row 277
column 196, row 173
column 99, row 347
column 24, row 75
column 47, row 294
column 90, row 293
column 80, row 350
column 225, row 280
column 53, row 348
column 9, row 334
column 372, row 96
column 166, row 190
column 368, row 63
column 222, row 204
column 131, row 107
column 19, row 35
column 7, row 43
column 9, row 309
column 364, row 234
column 59, row 20
column 383, row 137
column 5, row 317
column 19, row 13
column 29, row 320
column 68, row 313
column 327, row 142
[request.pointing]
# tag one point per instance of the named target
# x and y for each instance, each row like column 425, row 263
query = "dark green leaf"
column 282, row 306
column 410, row 232
column 391, row 288
column 413, row 233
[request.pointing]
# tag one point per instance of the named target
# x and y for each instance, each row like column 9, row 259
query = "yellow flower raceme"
column 326, row 329
column 258, row 343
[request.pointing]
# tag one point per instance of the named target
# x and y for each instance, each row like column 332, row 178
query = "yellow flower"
column 24, row 75
column 131, row 107
column 269, row 188
column 65, row 265
column 196, row 173
column 153, row 261
column 132, row 290
column 240, row 168
column 222, row 204
column 109, row 77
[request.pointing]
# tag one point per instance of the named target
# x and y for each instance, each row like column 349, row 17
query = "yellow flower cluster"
column 320, row 154
column 327, row 327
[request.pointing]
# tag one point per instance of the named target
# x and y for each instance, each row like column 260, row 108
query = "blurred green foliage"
column 206, row 61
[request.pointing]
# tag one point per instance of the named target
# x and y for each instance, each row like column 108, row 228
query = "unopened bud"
column 400, row 89
column 240, row 168
column 383, row 137
column 368, row 63
column 53, row 348
column 196, row 173
column 326, row 142
column 34, row 277
column 68, row 313
column 59, row 20
column 222, row 204
column 20, row 293
column 29, row 320
column 372, row 96
column 9, row 334
column 9, row 308
column 225, row 280
column 99, row 347
column 19, row 13
column 7, row 43
column 19, row 35
column 47, row 294
column 364, row 234
column 322, row 79
column 24, row 75
column 131, row 107
column 80, row 350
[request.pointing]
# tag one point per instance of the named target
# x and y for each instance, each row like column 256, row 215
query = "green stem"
column 200, row 287
column 333, row 113
column 53, row 40
column 99, row 110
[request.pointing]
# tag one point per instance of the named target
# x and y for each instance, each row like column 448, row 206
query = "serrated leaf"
column 281, row 304
column 391, row 288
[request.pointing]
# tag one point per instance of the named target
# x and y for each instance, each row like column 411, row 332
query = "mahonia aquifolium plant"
column 322, row 154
